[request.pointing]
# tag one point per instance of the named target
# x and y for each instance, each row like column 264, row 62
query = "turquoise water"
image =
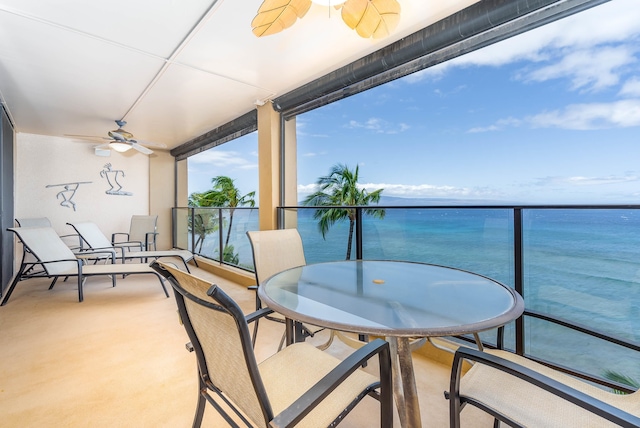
column 580, row 265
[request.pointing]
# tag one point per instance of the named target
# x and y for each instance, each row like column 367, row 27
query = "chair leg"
column 13, row 285
column 255, row 333
column 80, row 284
column 166, row 293
column 197, row 419
column 55, row 279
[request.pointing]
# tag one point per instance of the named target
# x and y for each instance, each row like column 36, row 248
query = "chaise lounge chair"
column 57, row 260
column 93, row 237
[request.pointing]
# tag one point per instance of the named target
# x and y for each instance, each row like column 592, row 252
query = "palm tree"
column 224, row 193
column 340, row 188
column 621, row 378
column 202, row 223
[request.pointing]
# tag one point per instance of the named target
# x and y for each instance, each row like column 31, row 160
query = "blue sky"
column 549, row 116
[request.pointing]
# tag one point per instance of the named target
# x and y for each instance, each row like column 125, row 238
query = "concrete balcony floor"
column 118, row 359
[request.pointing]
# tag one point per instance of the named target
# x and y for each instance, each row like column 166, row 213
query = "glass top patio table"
column 395, row 299
column 391, row 298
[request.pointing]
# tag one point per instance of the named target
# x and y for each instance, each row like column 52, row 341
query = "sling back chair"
column 94, row 239
column 72, row 240
column 32, row 268
column 27, row 257
column 57, row 260
column 523, row 393
column 141, row 236
column 299, row 386
column 275, row 251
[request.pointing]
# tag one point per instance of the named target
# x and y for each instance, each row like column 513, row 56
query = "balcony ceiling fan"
column 370, row 18
column 121, row 140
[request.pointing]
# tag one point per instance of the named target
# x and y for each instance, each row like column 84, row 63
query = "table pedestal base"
column 404, row 383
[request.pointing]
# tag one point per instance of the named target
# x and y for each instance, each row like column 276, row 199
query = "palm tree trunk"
column 200, row 241
column 226, row 243
column 350, row 241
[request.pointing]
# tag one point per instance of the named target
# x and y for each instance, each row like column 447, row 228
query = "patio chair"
column 57, row 260
column 142, row 234
column 521, row 392
column 71, row 240
column 94, row 239
column 299, row 386
column 275, row 251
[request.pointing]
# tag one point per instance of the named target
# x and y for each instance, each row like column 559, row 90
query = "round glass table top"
column 391, row 298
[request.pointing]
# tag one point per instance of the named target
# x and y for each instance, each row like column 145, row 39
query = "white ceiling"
column 172, row 69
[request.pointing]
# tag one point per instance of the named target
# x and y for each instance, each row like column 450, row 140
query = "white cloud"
column 499, row 125
column 587, row 181
column 591, row 70
column 631, row 88
column 378, row 126
column 617, row 114
column 221, row 158
column 586, row 34
column 623, row 113
column 415, row 190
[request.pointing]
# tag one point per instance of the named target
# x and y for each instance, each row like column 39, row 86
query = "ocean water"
column 579, row 265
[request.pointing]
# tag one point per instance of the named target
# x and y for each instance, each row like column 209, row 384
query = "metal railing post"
column 220, row 237
column 358, row 233
column 193, row 230
column 518, row 280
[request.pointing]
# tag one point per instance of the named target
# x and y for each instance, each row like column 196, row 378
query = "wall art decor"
column 68, row 192
column 112, row 178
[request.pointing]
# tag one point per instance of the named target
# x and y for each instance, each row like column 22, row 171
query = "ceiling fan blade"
column 276, row 15
column 86, row 137
column 141, row 149
column 149, row 143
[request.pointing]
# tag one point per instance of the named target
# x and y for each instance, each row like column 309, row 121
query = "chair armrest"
column 73, row 247
column 127, row 244
column 91, row 253
column 98, row 250
column 113, row 236
column 323, row 388
column 54, row 261
column 546, row 383
column 261, row 313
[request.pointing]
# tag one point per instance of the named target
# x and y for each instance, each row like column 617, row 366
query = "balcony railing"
column 577, row 267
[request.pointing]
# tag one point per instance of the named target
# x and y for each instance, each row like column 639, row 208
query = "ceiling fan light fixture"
column 119, row 147
column 328, row 2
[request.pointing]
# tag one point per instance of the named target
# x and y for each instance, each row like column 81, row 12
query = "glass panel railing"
column 181, row 236
column 477, row 240
column 205, row 230
column 217, row 233
column 582, row 352
column 236, row 245
column 581, row 265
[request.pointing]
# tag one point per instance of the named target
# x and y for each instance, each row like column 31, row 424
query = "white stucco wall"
column 44, row 160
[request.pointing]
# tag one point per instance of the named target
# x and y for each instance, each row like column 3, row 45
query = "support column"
column 269, row 166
